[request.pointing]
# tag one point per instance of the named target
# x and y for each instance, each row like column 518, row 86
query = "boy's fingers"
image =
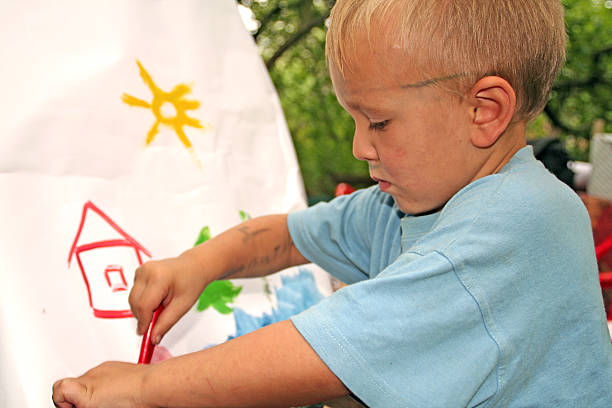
column 144, row 321
column 133, row 298
column 150, row 289
column 167, row 318
column 146, row 295
column 69, row 393
column 144, row 307
column 137, row 292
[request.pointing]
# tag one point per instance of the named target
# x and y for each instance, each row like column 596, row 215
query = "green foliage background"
column 291, row 37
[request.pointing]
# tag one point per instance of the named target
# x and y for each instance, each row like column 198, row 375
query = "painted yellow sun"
column 170, row 109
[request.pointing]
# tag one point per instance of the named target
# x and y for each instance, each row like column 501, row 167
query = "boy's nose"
column 362, row 147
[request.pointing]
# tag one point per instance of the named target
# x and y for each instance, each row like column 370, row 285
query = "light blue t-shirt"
column 494, row 300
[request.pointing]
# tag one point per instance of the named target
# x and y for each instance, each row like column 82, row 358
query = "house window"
column 115, row 278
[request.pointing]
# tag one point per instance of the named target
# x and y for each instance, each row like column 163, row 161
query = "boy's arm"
column 256, row 247
column 271, row 367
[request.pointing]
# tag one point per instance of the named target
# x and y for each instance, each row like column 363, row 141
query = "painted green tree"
column 218, row 293
column 290, row 35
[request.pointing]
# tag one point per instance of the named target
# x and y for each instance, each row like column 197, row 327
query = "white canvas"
column 126, row 127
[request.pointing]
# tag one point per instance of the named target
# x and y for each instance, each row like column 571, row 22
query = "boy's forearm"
column 271, row 367
column 253, row 248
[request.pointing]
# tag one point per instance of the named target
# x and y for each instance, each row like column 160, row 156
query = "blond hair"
column 522, row 41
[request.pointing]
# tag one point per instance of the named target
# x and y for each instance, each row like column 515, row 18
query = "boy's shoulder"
column 523, row 189
column 520, row 206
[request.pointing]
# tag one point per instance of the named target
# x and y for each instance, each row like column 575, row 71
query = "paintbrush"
column 147, row 346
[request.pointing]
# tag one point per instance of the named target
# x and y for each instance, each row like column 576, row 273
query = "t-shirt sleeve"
column 410, row 337
column 335, row 235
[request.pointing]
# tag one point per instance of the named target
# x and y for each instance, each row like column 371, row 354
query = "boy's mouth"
column 382, row 184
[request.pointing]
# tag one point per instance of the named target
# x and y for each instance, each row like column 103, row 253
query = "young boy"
column 472, row 269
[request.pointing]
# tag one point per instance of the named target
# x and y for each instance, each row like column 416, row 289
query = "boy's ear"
column 493, row 102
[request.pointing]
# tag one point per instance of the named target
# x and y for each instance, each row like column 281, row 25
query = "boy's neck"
column 506, row 147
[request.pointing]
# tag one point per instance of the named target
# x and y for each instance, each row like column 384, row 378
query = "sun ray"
column 182, row 136
column 193, row 123
column 152, row 132
column 133, row 101
column 185, row 104
column 147, row 78
column 178, row 92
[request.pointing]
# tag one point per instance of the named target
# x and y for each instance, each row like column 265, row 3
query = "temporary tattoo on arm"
column 249, row 235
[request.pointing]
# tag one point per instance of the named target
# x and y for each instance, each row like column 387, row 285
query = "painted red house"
column 107, row 258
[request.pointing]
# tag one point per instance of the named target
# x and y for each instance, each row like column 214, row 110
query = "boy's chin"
column 416, row 208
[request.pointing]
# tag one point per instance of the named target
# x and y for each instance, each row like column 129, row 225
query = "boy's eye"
column 378, row 125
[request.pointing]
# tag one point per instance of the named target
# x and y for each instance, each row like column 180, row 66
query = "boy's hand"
column 110, row 385
column 175, row 283
column 253, row 248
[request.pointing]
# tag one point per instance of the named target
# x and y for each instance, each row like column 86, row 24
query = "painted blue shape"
column 296, row 294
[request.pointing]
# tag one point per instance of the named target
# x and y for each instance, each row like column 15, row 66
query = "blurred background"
column 290, row 35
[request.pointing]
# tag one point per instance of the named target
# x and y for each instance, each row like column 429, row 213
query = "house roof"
column 91, row 206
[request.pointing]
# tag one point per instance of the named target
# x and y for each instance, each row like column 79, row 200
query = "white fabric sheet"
column 86, row 198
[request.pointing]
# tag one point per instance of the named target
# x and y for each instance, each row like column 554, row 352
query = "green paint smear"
column 244, row 216
column 203, row 237
column 218, row 294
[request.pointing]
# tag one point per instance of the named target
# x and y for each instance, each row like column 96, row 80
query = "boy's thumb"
column 69, row 393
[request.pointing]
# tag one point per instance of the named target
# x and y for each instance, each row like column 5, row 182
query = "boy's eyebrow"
column 433, row 80
column 419, row 84
column 371, row 110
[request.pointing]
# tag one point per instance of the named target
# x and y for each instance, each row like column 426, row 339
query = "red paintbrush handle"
column 147, row 346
